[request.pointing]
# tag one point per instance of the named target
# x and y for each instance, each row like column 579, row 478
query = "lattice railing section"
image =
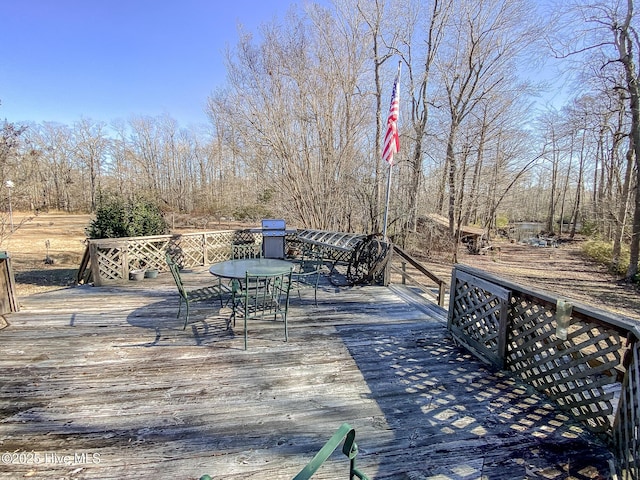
column 147, row 252
column 585, row 360
column 626, row 429
column 476, row 311
column 218, row 246
column 113, row 259
column 110, row 261
column 578, row 372
column 189, row 250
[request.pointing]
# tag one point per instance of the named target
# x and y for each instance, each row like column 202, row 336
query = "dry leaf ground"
column 563, row 271
column 61, row 237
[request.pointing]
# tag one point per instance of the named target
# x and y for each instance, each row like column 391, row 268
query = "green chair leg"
column 186, row 318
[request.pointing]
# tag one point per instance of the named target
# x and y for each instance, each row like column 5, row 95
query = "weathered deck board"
column 109, row 371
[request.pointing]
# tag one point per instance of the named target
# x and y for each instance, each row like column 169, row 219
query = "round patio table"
column 237, row 269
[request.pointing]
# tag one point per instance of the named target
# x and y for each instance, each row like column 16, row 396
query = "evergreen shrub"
column 117, row 217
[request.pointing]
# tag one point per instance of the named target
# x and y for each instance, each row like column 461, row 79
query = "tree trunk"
column 624, row 41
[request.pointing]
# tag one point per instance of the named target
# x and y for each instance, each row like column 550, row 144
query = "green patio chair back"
column 218, row 291
column 307, row 273
column 245, row 250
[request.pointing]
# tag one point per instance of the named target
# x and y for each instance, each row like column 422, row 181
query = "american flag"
column 391, row 138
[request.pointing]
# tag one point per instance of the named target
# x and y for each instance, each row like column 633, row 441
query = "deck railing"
column 585, row 360
column 8, row 302
column 404, row 258
column 112, row 259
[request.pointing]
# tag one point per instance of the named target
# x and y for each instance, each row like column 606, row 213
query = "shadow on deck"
column 104, row 383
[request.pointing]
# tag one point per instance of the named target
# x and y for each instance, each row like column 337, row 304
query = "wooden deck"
column 102, row 382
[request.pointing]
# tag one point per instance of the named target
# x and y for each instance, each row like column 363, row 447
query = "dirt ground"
column 55, row 236
column 561, row 271
column 60, row 238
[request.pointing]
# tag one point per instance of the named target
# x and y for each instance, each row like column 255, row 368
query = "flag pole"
column 389, row 159
column 386, row 206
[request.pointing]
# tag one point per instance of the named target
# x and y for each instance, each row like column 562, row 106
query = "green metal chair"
column 187, row 296
column 349, row 449
column 263, row 296
column 245, row 250
column 307, row 273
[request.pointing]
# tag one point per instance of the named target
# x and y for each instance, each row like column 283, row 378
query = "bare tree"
column 375, row 15
column 482, row 53
column 90, row 147
column 298, row 116
column 609, row 42
column 626, row 41
column 420, row 57
column 59, row 183
column 145, row 146
column 10, row 140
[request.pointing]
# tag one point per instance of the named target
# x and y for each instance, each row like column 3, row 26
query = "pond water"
column 524, row 230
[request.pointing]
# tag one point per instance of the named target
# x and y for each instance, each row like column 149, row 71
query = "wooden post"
column 8, row 301
column 95, row 267
column 442, row 291
column 503, row 332
column 387, row 268
column 563, row 318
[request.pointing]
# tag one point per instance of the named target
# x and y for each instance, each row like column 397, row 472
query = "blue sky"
column 108, row 59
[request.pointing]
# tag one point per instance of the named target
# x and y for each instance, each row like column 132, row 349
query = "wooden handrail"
column 442, row 286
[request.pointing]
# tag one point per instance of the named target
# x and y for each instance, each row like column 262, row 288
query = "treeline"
column 295, row 131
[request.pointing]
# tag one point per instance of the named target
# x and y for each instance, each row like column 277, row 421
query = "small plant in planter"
column 136, row 275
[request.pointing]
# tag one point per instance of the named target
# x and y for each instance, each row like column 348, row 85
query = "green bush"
column 589, row 228
column 117, row 218
column 501, row 221
column 602, row 252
